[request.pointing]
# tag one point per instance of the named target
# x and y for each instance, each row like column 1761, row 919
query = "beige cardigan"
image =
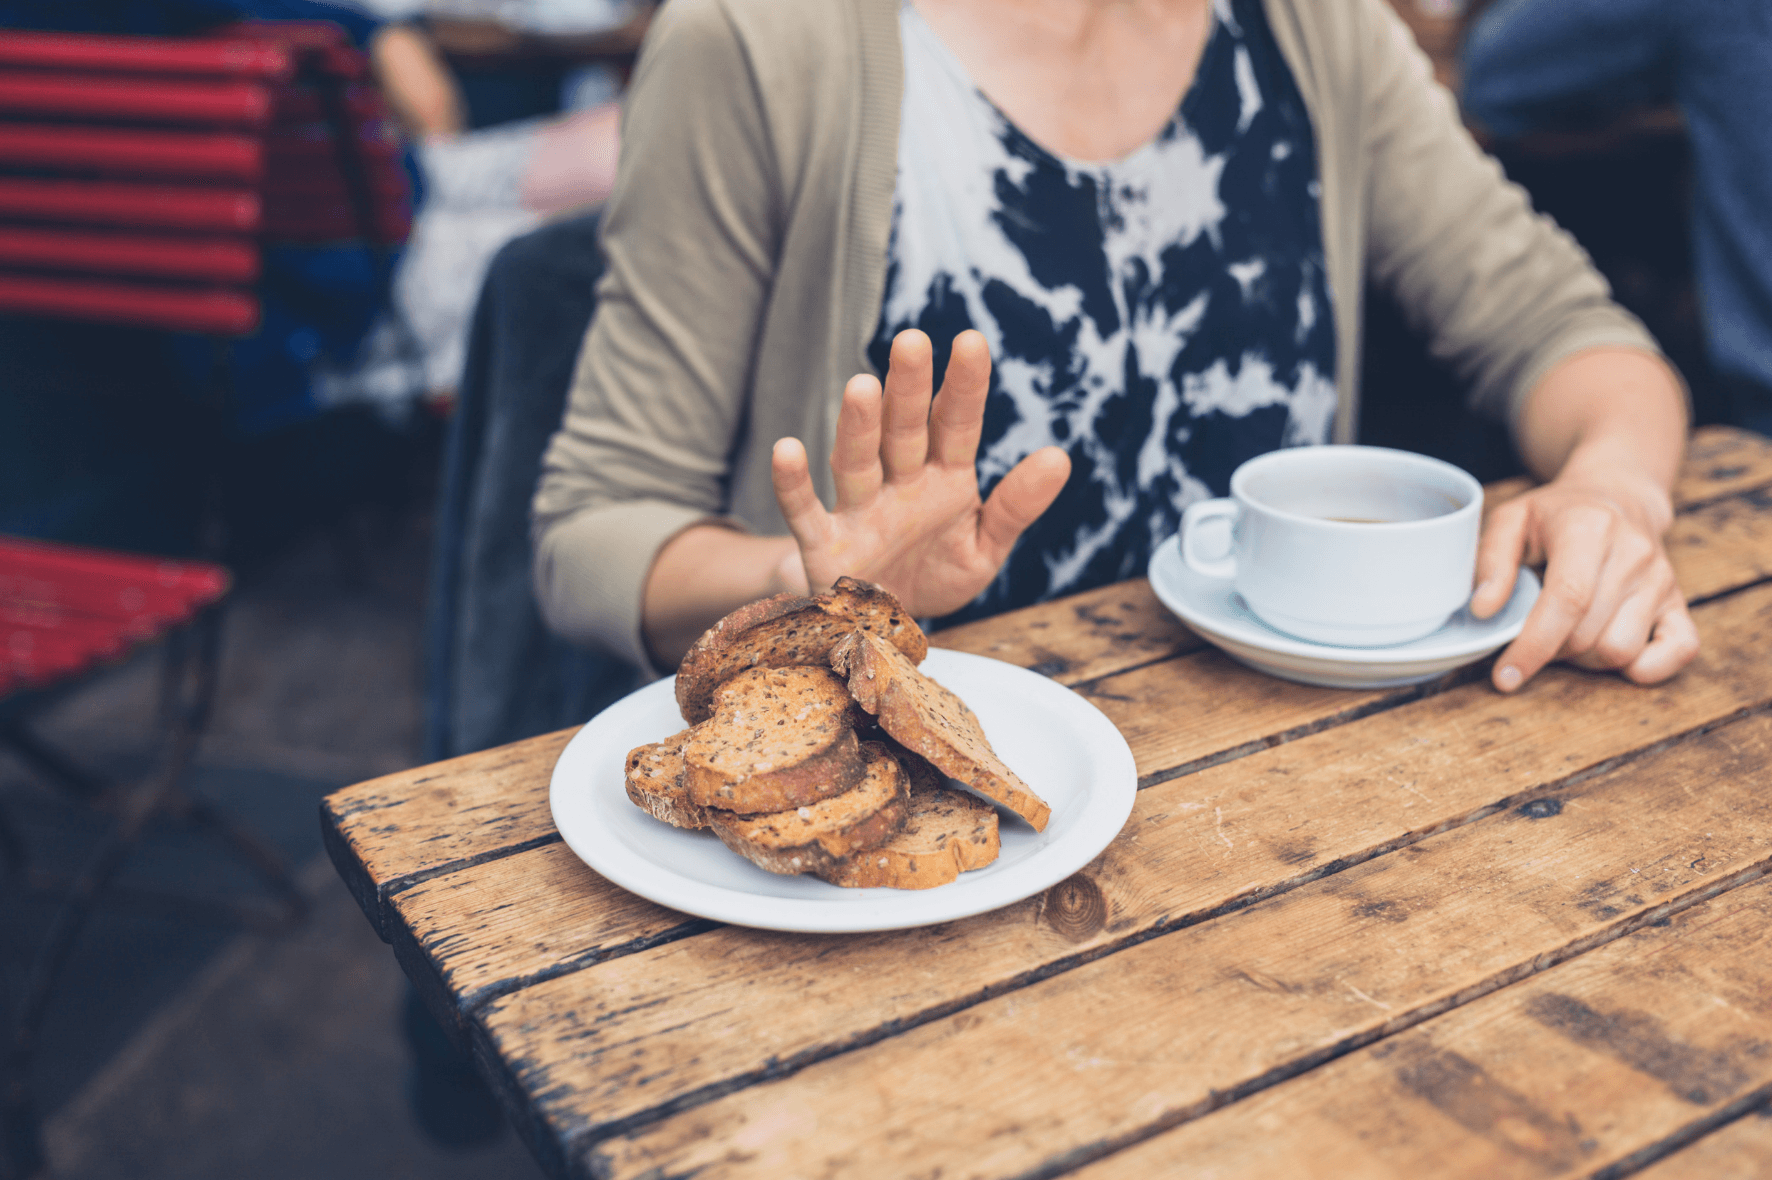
column 746, row 238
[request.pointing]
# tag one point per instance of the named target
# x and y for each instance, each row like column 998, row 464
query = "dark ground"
column 176, row 1047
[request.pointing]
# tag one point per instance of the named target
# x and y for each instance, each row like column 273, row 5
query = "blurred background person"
column 531, row 133
column 518, row 59
column 1542, row 65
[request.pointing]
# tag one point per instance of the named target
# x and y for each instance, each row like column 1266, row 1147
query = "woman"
column 1160, row 213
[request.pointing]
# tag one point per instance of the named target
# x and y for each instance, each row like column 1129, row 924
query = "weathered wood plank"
column 1175, row 714
column 518, row 920
column 1186, row 714
column 388, row 832
column 385, row 833
column 1083, row 637
column 482, row 935
column 1723, row 545
column 1740, row 1150
column 1194, row 846
column 1566, row 1074
column 1069, row 1067
column 1721, row 461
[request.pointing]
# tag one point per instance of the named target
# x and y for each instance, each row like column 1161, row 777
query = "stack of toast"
column 816, row 746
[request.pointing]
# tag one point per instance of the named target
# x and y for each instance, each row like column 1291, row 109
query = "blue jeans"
column 1536, row 64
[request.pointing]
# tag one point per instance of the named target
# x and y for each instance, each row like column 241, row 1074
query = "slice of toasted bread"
column 929, row 720
column 655, row 783
column 780, row 738
column 817, row 836
column 949, row 833
column 787, row 630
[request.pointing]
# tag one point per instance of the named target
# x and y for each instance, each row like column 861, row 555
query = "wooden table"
column 1416, row 932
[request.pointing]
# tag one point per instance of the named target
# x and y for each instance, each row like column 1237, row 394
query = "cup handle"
column 1194, row 516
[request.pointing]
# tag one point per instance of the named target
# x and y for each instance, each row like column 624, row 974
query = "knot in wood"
column 1075, row 908
column 1541, row 808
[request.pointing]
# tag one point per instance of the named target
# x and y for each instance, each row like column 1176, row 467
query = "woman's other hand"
column 1610, row 599
column 908, row 514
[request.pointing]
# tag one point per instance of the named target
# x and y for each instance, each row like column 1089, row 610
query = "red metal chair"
column 64, row 611
column 140, row 179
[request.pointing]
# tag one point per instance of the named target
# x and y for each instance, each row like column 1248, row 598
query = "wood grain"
column 1563, row 1075
column 1193, row 847
column 1083, row 637
column 477, row 934
column 1722, row 461
column 388, row 832
column 1739, row 1150
column 1723, row 545
column 458, row 863
column 518, row 920
column 1056, row 1069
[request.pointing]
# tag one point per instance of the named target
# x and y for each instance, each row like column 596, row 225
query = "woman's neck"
column 1088, row 79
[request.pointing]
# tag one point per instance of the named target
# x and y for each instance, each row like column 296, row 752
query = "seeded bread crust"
column 931, row 721
column 816, row 837
column 787, row 630
column 655, row 783
column 949, row 832
column 780, row 738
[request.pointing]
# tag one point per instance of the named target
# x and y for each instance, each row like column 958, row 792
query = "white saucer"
column 1211, row 607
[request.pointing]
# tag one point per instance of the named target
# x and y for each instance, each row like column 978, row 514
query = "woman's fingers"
column 958, row 417
column 855, row 456
column 1628, row 575
column 1019, row 498
column 1578, row 549
column 806, row 517
column 1499, row 556
column 1625, row 632
column 910, row 374
column 1671, row 648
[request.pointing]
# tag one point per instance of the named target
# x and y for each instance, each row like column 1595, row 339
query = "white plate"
column 1060, row 744
column 1211, row 607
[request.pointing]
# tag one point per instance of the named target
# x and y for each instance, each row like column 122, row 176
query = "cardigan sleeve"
column 690, row 238
column 1500, row 292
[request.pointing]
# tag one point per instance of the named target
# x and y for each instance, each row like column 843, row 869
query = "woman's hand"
column 908, row 514
column 1610, row 601
column 1606, row 429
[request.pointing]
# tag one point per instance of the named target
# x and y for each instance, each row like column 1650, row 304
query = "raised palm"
column 908, row 515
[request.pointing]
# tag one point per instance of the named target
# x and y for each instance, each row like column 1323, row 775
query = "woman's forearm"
column 418, row 86
column 1609, row 415
column 704, row 573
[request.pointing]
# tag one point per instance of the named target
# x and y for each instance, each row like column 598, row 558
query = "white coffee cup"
column 1352, row 546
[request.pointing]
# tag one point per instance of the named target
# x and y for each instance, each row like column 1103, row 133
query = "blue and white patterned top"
column 1162, row 317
